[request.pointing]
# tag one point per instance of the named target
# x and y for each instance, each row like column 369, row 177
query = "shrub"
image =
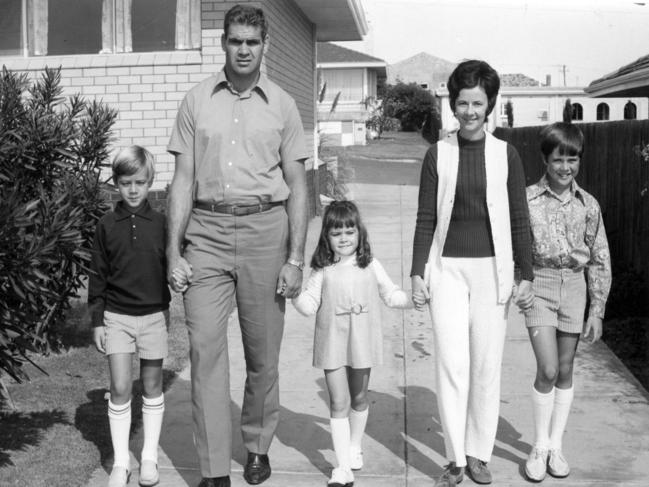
column 51, row 153
column 628, row 295
column 409, row 103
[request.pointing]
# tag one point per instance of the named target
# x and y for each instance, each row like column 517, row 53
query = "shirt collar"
column 543, row 186
column 122, row 212
column 261, row 87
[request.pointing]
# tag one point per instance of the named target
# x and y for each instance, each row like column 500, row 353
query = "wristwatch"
column 296, row 263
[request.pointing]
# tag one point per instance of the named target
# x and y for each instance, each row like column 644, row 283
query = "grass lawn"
column 59, row 434
column 392, row 145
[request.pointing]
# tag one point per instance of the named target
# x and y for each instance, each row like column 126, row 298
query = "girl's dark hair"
column 341, row 214
column 566, row 136
column 472, row 73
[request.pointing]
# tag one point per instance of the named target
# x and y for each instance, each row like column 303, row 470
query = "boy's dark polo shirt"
column 128, row 264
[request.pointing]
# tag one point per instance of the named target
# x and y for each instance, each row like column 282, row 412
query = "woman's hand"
column 420, row 294
column 524, row 296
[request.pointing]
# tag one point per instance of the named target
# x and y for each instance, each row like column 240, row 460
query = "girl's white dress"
column 347, row 302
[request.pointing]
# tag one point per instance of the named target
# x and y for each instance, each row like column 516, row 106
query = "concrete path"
column 607, row 442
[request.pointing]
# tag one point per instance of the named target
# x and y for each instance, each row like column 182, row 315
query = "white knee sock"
column 542, row 406
column 119, row 419
column 152, row 411
column 562, row 403
column 357, row 423
column 341, row 437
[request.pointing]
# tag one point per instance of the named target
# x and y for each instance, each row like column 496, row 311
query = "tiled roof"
column 636, row 65
column 517, row 79
column 332, row 53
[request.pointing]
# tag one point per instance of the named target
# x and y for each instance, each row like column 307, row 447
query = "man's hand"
column 179, row 273
column 593, row 327
column 420, row 294
column 289, row 283
column 524, row 295
column 99, row 338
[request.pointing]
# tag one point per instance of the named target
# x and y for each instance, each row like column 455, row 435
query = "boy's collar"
column 122, row 211
column 544, row 186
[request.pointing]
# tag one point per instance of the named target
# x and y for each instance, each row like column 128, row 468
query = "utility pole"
column 563, row 69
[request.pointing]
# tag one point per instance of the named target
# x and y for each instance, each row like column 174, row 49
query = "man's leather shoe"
column 257, row 468
column 215, row 481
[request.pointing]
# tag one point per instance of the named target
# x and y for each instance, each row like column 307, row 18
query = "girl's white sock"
column 357, row 423
column 119, row 419
column 341, row 438
column 542, row 405
column 152, row 411
column 562, row 403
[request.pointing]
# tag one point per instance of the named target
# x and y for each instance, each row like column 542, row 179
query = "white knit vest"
column 496, row 166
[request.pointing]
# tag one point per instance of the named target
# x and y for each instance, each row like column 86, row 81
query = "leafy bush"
column 51, row 153
column 628, row 296
column 409, row 103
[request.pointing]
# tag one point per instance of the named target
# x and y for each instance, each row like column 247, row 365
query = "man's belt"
column 236, row 210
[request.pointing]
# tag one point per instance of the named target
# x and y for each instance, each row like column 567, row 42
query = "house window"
column 60, row 27
column 347, row 82
column 10, row 28
column 577, row 111
column 630, row 111
column 602, row 111
column 424, row 86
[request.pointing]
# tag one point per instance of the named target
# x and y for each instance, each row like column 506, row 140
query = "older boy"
column 571, row 258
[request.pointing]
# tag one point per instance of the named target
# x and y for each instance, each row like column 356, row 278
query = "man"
column 237, row 225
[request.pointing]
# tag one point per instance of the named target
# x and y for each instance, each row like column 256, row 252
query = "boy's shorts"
column 559, row 299
column 147, row 334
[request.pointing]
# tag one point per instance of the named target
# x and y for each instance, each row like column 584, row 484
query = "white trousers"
column 469, row 330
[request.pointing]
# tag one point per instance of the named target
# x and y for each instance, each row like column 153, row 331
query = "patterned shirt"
column 568, row 233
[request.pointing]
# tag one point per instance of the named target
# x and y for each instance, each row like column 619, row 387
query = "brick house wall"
column 146, row 88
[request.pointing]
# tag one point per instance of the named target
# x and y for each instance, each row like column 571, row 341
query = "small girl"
column 343, row 291
column 571, row 260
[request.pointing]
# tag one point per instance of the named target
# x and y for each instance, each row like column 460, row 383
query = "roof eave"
column 336, row 20
column 628, row 85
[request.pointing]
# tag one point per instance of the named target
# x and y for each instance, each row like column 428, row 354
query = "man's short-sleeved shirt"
column 238, row 141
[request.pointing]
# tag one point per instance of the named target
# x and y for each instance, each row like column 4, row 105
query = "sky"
column 579, row 40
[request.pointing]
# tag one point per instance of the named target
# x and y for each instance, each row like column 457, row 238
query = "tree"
column 409, row 103
column 51, row 153
column 509, row 111
column 381, row 117
column 567, row 111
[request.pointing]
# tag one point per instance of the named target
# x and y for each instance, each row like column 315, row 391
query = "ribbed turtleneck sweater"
column 469, row 232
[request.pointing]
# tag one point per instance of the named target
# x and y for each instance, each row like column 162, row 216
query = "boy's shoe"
column 149, row 473
column 451, row 476
column 477, row 470
column 119, row 477
column 557, row 464
column 536, row 464
column 355, row 458
column 341, row 478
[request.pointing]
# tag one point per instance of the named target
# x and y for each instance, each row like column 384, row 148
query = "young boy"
column 128, row 300
column 571, row 258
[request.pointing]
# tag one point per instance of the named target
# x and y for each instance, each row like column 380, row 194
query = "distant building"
column 428, row 71
column 348, row 80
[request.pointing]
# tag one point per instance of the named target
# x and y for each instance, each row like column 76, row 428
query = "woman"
column 472, row 219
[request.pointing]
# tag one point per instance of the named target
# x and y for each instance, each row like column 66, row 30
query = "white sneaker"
column 355, row 458
column 119, row 477
column 536, row 464
column 149, row 473
column 557, row 464
column 341, row 478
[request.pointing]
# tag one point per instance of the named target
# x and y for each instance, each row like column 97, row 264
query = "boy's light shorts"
column 147, row 334
column 559, row 299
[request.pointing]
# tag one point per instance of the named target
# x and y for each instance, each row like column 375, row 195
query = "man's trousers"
column 234, row 258
column 469, row 331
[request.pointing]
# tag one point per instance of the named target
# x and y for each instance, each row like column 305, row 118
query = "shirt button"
column 229, row 163
column 133, row 226
column 132, row 216
column 233, row 142
column 227, row 185
column 236, row 120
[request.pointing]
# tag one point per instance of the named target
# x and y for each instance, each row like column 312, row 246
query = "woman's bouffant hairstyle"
column 341, row 214
column 246, row 15
column 566, row 136
column 130, row 160
column 472, row 73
